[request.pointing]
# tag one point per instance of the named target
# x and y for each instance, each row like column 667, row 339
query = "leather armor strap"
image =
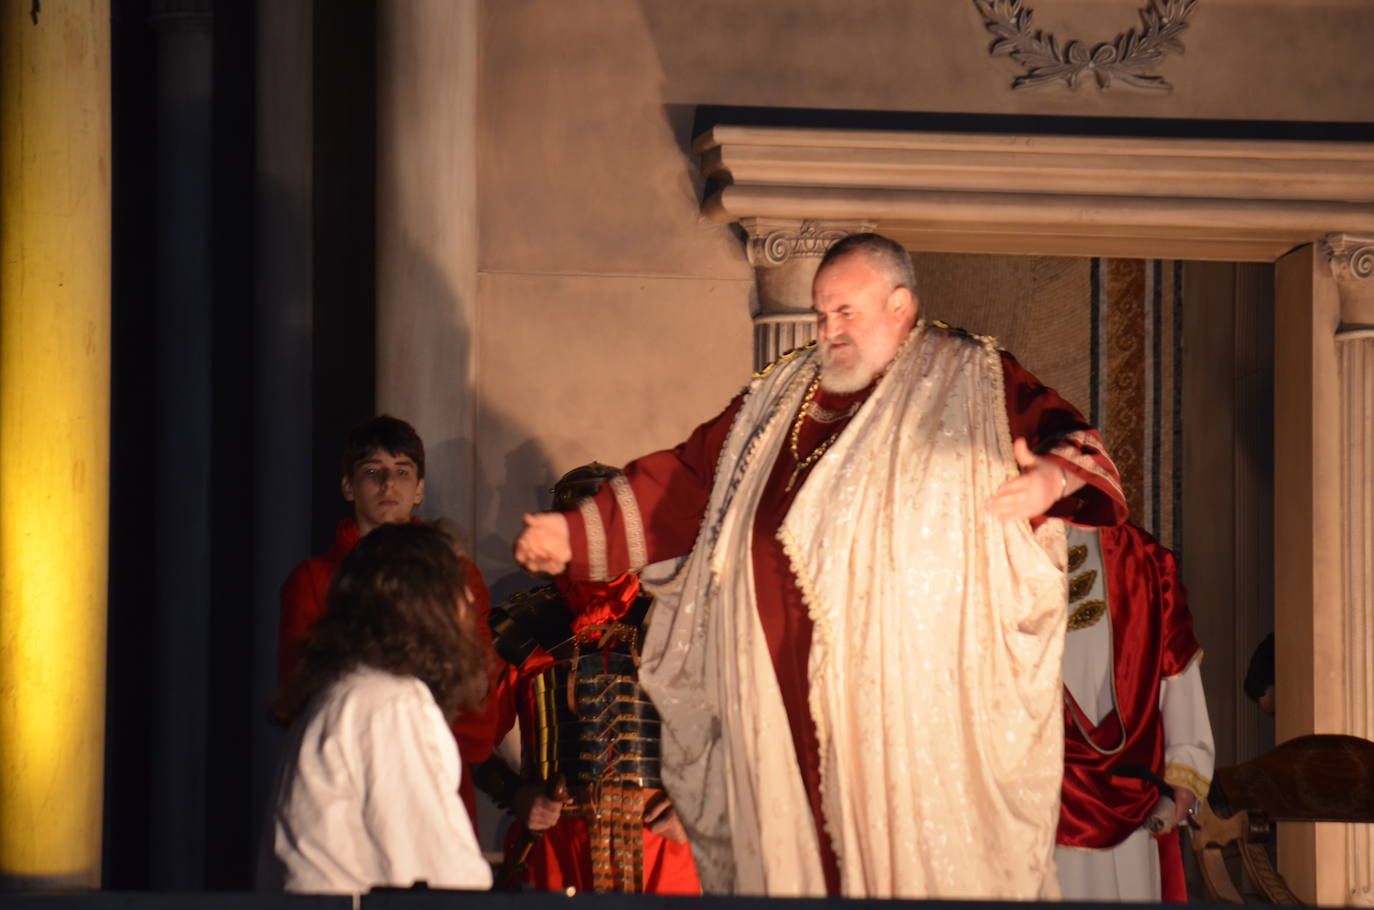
column 616, row 831
column 594, row 724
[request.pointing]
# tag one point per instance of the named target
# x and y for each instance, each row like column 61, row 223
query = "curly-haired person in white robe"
column 367, row 790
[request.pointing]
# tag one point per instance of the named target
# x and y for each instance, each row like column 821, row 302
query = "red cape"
column 1152, row 638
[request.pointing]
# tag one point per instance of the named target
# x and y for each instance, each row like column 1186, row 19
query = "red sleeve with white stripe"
column 654, row 511
column 1054, row 428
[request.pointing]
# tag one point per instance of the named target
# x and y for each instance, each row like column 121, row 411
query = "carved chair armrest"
column 1248, row 830
column 1209, row 838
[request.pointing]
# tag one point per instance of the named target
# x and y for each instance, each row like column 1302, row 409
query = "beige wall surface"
column 583, row 171
column 1038, row 308
column 585, row 118
column 603, row 288
column 1243, row 59
column 613, row 317
column 580, row 368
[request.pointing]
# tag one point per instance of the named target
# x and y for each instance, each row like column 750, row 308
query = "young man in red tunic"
column 382, row 473
column 863, row 576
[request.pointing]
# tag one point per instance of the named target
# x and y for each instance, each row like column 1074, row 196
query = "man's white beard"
column 846, row 379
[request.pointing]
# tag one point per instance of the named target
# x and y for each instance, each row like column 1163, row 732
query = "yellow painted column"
column 54, row 437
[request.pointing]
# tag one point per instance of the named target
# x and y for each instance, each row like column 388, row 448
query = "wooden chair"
column 1319, row 778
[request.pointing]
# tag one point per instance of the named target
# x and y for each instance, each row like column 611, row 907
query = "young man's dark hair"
column 399, row 603
column 382, row 433
column 1259, row 675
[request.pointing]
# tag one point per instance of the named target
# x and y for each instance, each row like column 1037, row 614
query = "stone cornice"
column 1066, row 195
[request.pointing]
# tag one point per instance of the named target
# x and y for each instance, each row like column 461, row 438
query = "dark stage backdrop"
column 186, row 723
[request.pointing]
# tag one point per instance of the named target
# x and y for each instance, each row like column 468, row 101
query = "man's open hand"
column 544, row 545
column 1042, row 483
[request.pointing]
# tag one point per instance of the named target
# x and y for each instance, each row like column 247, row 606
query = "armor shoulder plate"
column 528, row 620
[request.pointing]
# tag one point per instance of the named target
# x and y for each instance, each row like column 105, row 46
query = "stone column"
column 785, row 255
column 1324, row 535
column 1352, row 263
column 1309, row 595
column 180, row 580
column 427, row 240
column 54, row 428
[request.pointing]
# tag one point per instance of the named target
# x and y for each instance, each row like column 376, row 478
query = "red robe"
column 1152, row 638
column 302, row 605
column 672, row 489
column 562, row 858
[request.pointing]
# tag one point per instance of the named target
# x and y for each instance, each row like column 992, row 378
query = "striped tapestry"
column 1137, row 384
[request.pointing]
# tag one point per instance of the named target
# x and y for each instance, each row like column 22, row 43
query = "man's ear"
column 346, row 487
column 420, row 491
column 902, row 298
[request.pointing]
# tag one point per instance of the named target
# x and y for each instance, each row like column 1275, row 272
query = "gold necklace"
column 817, row 412
column 794, row 438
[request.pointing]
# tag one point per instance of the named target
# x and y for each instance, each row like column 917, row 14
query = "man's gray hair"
column 887, row 254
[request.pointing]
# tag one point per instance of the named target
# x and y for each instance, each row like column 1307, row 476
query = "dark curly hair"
column 1259, row 676
column 399, row 603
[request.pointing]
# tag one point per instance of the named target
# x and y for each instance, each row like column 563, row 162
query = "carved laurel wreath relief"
column 1124, row 60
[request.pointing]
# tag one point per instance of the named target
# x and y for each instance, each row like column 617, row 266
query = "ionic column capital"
column 1351, row 260
column 774, row 242
column 785, row 254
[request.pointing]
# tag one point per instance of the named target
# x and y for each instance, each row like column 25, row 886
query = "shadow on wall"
column 528, row 477
column 597, row 264
column 459, row 487
column 437, row 345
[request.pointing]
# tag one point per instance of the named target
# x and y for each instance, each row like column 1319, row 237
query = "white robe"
column 934, row 669
column 367, row 795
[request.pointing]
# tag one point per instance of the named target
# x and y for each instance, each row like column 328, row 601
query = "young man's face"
column 384, row 489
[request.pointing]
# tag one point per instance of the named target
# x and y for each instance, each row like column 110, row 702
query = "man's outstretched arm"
column 651, row 513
